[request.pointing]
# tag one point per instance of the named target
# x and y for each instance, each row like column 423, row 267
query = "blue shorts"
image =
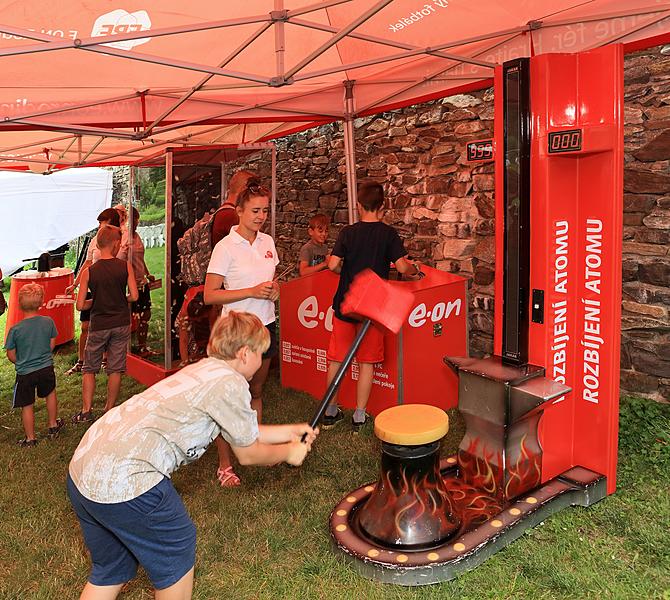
column 153, row 530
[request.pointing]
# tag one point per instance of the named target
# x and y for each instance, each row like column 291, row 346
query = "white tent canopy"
column 40, row 213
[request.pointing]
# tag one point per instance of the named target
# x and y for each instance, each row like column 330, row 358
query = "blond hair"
column 107, row 236
column 31, row 297
column 234, row 331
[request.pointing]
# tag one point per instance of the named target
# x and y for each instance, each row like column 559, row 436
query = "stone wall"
column 645, row 339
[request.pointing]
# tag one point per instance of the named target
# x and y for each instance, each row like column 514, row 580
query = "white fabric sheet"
column 39, row 213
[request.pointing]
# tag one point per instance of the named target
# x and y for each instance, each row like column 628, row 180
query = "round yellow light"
column 411, row 424
column 514, row 511
column 341, row 528
column 372, row 553
column 459, row 547
column 351, row 499
column 496, row 523
column 531, row 500
column 369, row 488
column 451, row 460
column 401, row 558
column 433, row 556
column 341, row 512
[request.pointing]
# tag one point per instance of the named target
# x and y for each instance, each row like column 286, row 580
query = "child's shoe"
column 76, row 368
column 26, row 443
column 227, row 477
column 83, row 417
column 54, row 431
column 359, row 420
column 329, row 421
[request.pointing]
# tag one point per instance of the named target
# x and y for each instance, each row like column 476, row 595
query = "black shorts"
column 143, row 302
column 85, row 315
column 272, row 350
column 42, row 380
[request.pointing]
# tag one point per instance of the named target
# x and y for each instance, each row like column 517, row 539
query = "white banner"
column 39, row 213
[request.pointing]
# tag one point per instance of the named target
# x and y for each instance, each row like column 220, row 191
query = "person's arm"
column 11, row 355
column 149, row 276
column 133, row 294
column 77, row 282
column 279, row 434
column 215, row 294
column 261, row 454
column 52, row 343
column 82, row 303
column 335, row 263
column 406, row 267
column 305, row 269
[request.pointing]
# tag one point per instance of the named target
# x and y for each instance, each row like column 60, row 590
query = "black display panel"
column 516, row 280
column 480, row 150
column 565, row 141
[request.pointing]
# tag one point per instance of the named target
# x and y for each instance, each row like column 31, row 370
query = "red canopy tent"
column 90, row 84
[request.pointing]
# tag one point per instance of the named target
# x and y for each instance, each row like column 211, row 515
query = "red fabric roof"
column 88, row 83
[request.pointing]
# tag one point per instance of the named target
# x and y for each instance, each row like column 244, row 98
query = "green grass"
column 269, row 539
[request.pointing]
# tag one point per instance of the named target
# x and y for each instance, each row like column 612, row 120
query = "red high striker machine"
column 541, row 414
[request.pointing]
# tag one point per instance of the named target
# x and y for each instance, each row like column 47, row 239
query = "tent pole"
column 350, row 149
column 224, row 182
column 273, row 206
column 167, row 278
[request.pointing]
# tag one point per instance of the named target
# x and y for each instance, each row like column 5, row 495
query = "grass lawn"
column 269, row 538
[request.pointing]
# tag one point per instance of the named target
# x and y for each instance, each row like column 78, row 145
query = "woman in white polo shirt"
column 240, row 277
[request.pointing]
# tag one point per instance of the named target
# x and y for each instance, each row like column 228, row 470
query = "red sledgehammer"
column 370, row 298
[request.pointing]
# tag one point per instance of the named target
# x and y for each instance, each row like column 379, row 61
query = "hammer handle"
column 335, row 383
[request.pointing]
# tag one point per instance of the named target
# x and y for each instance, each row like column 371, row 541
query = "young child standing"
column 131, row 243
column 29, row 346
column 314, row 254
column 119, row 477
column 368, row 244
column 109, row 216
column 109, row 330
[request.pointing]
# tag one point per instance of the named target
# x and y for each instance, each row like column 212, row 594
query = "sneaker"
column 356, row 426
column 76, row 368
column 329, row 421
column 54, row 431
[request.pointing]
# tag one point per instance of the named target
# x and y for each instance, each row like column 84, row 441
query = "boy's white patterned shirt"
column 135, row 445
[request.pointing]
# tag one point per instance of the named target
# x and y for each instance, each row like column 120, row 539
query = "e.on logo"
column 120, row 21
column 58, row 301
column 309, row 314
column 442, row 310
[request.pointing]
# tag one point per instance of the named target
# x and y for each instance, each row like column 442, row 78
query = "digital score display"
column 480, row 150
column 565, row 141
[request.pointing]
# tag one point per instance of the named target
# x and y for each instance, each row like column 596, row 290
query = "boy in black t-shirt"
column 109, row 331
column 368, row 244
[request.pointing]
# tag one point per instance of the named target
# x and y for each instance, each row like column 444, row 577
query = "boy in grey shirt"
column 314, row 254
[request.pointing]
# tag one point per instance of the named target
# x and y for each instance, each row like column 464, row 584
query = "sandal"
column 26, row 443
column 76, row 368
column 54, row 431
column 83, row 417
column 227, row 477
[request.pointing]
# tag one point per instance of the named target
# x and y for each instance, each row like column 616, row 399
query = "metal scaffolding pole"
column 350, row 149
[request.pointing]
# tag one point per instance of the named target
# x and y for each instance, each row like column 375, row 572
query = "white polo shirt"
column 244, row 265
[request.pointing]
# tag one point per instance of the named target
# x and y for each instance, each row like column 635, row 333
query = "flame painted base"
column 485, row 528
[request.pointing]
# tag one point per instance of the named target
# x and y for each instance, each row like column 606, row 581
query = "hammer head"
column 374, row 298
